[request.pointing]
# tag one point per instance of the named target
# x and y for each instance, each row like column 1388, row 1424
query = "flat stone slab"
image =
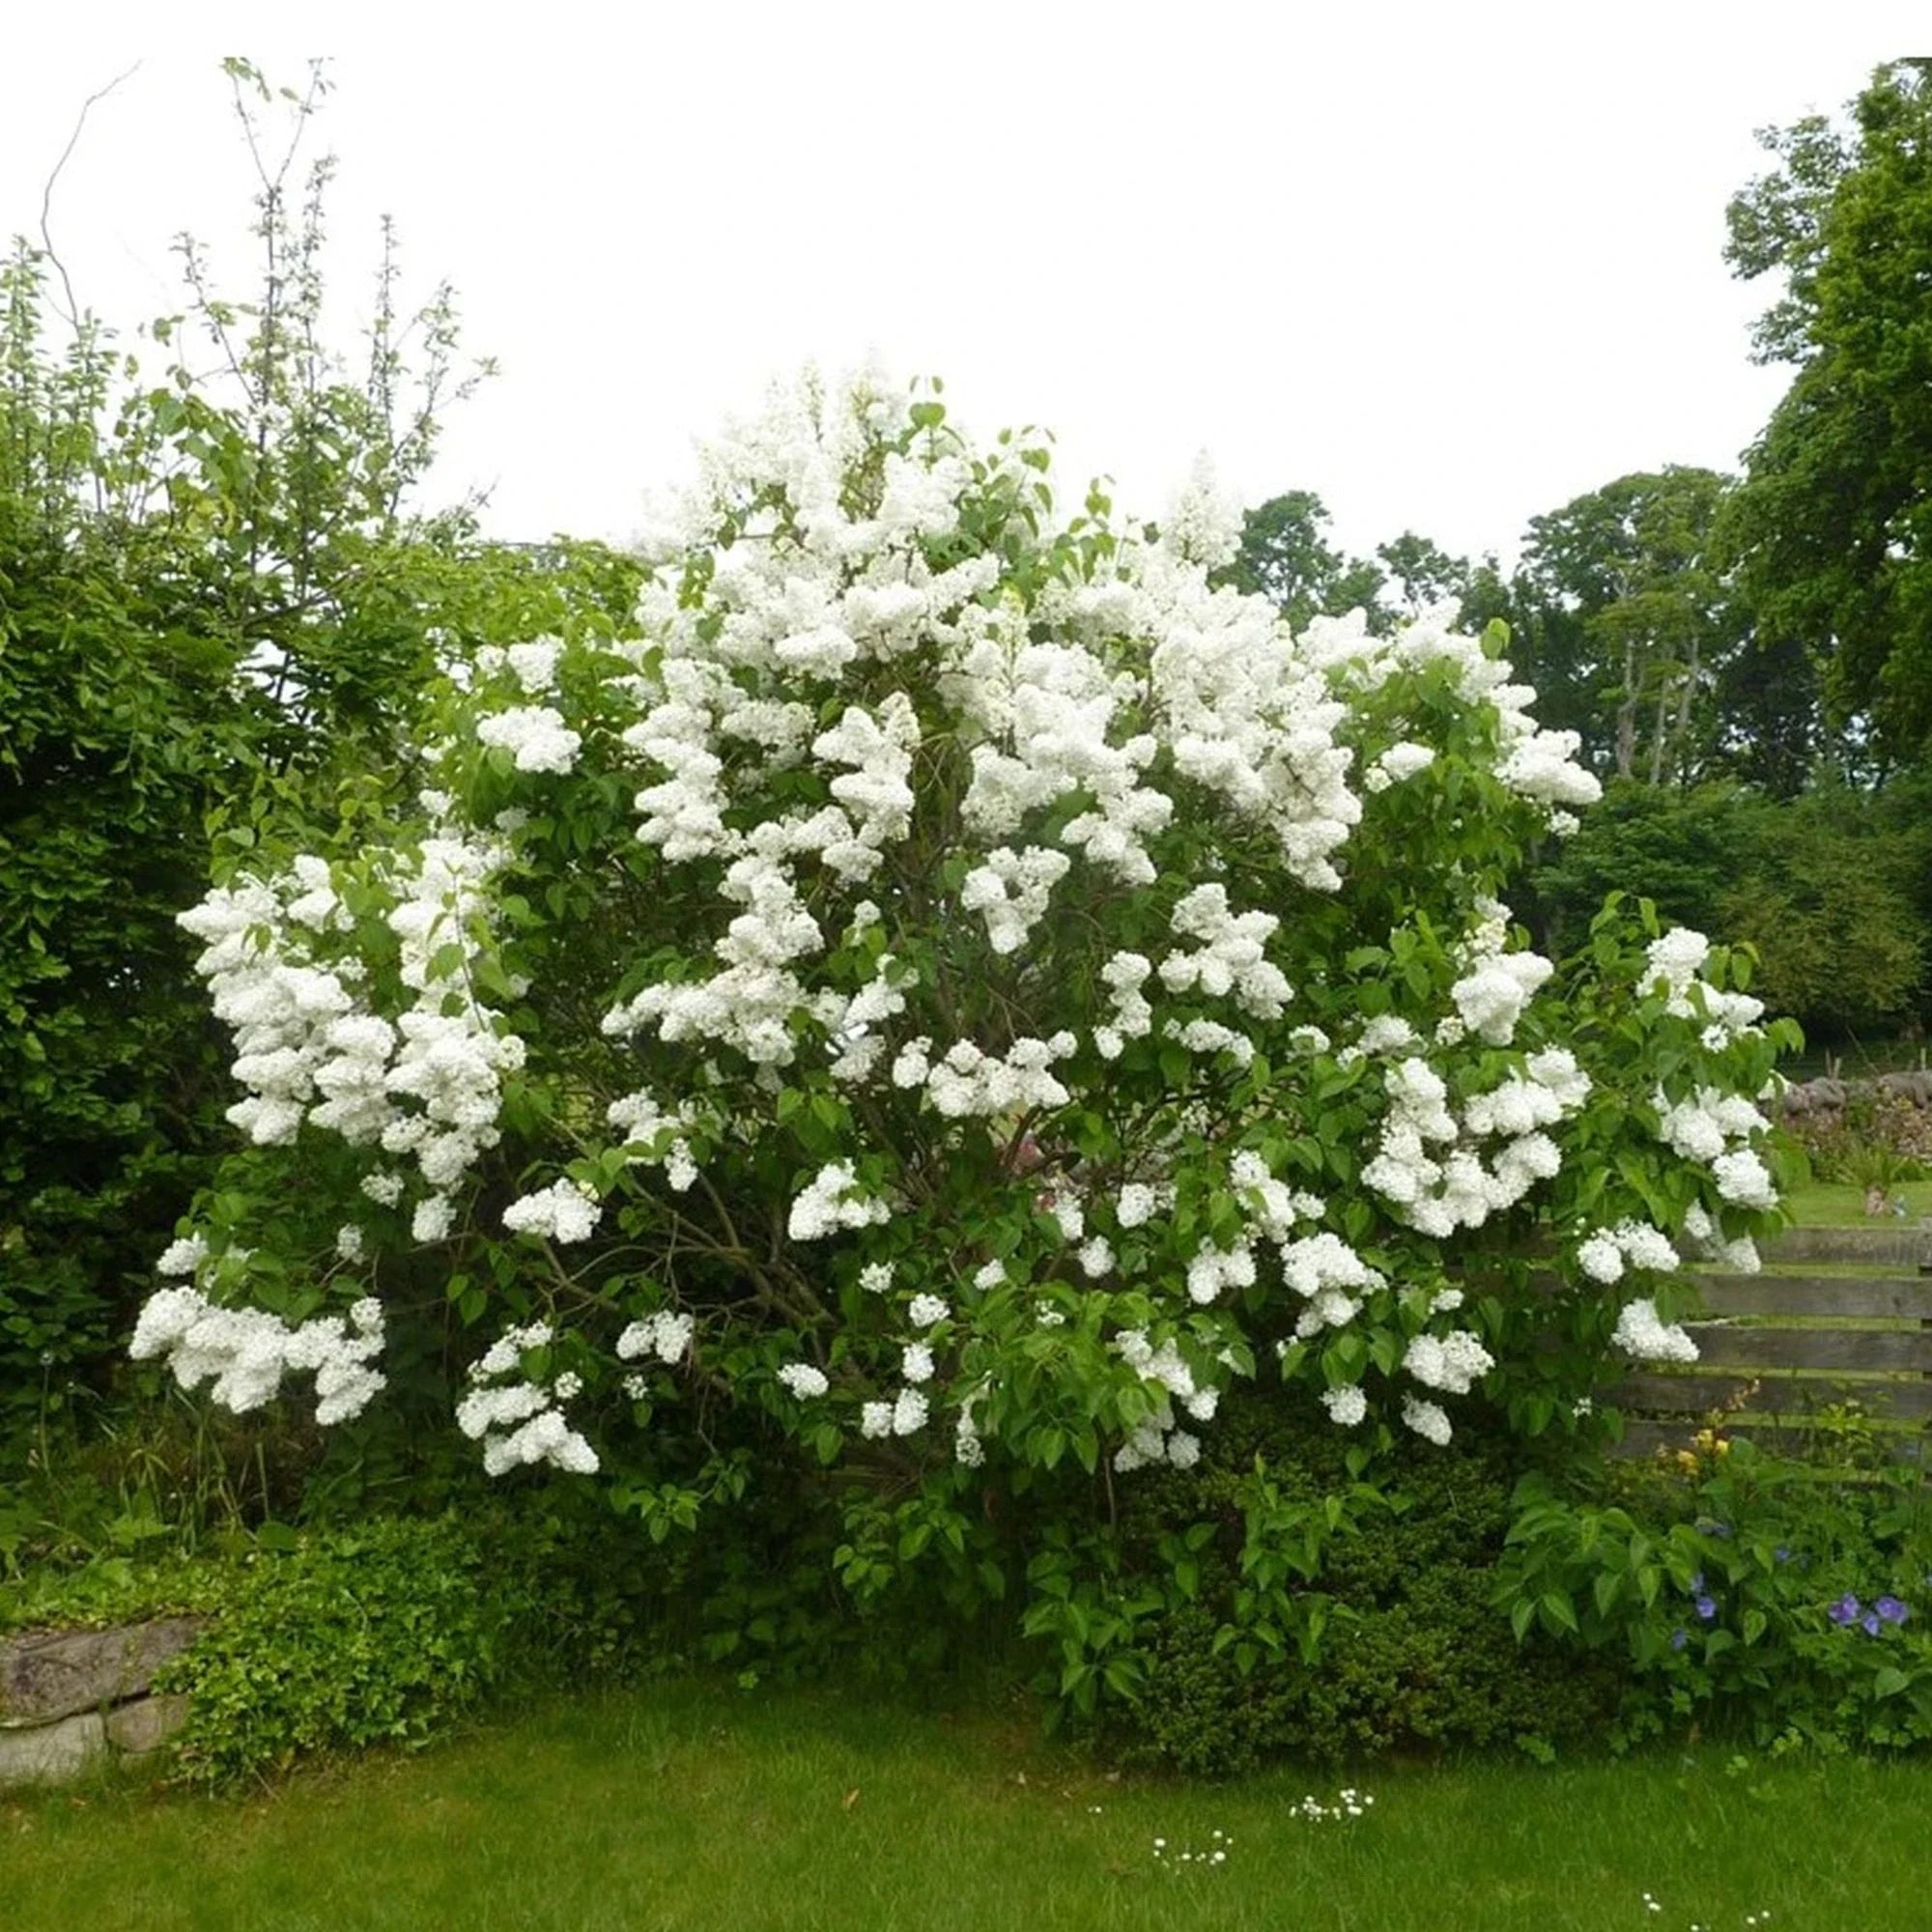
column 48, row 1676
column 147, row 1724
column 53, row 1753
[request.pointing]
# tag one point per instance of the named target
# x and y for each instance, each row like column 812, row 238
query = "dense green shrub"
column 1398, row 1645
column 1756, row 1596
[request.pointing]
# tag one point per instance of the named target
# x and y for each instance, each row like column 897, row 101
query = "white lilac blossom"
column 803, row 1381
column 832, row 1201
column 1743, row 1178
column 245, row 1353
column 1640, row 1332
column 1011, row 891
column 534, row 734
column 521, row 1423
column 1430, row 1420
column 1345, row 1405
column 565, row 1212
column 1398, row 762
column 926, row 1310
column 968, row 1083
column 1138, row 1203
column 1096, row 1258
column 664, row 1336
column 1455, row 1362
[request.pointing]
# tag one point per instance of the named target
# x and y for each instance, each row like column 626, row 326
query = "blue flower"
column 1696, row 1584
column 1706, row 1608
column 1783, row 1553
column 1845, row 1611
column 1871, row 1623
column 1679, row 1638
column 1891, row 1610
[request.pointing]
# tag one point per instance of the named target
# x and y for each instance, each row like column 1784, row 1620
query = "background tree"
column 1286, row 557
column 1632, row 612
column 1832, row 525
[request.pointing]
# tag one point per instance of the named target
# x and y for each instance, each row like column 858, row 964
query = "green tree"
column 1630, row 608
column 216, row 607
column 1424, row 573
column 1831, row 527
column 1286, row 557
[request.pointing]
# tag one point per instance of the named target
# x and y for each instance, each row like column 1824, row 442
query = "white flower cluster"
column 565, row 1212
column 1323, row 1269
column 535, row 734
column 1455, row 1362
column 1429, row 1419
column 522, row 1423
column 1640, row 1332
column 1132, row 1017
column 1702, row 1129
column 1740, row 1254
column 1398, row 762
column 1011, row 891
column 245, row 1353
column 663, row 1336
column 426, row 1084
column 1535, row 764
column 1498, row 984
column 656, row 1138
column 1675, row 964
column 968, row 1084
column 1230, row 958
column 1438, row 1194
column 1602, row 1256
column 830, row 1202
column 1157, row 1439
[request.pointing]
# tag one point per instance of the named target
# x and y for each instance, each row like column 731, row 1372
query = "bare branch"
column 72, row 310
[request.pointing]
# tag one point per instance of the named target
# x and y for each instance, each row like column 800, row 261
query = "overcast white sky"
column 1449, row 266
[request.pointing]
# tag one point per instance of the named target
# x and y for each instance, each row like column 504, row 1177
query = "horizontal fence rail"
column 1776, row 1352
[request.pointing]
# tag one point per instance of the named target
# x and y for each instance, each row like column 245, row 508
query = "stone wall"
column 70, row 1700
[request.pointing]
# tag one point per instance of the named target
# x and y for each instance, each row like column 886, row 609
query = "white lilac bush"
column 952, row 981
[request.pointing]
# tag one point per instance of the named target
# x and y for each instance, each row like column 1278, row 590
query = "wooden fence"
column 1777, row 1350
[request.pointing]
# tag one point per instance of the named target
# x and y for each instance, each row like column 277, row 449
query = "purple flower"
column 1845, row 1611
column 1783, row 1553
column 1891, row 1610
column 1871, row 1623
column 1679, row 1638
column 1706, row 1608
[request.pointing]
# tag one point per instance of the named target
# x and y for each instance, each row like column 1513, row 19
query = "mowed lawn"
column 699, row 1807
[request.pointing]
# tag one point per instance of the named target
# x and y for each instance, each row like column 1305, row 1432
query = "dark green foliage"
column 384, row 1632
column 1832, row 525
column 1286, row 558
column 1408, row 1652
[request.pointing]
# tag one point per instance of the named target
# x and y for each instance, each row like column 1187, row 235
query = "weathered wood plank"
column 1644, row 1437
column 1697, row 1395
column 1720, row 1344
column 1902, row 1297
column 1878, row 1246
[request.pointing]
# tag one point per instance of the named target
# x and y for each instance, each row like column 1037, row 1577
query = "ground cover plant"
column 697, row 1806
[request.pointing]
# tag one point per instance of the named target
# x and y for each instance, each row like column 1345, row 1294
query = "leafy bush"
column 1774, row 1599
column 1397, row 1643
column 920, row 999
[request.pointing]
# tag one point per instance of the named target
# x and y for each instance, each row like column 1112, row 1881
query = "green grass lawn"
column 1833, row 1205
column 690, row 1806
